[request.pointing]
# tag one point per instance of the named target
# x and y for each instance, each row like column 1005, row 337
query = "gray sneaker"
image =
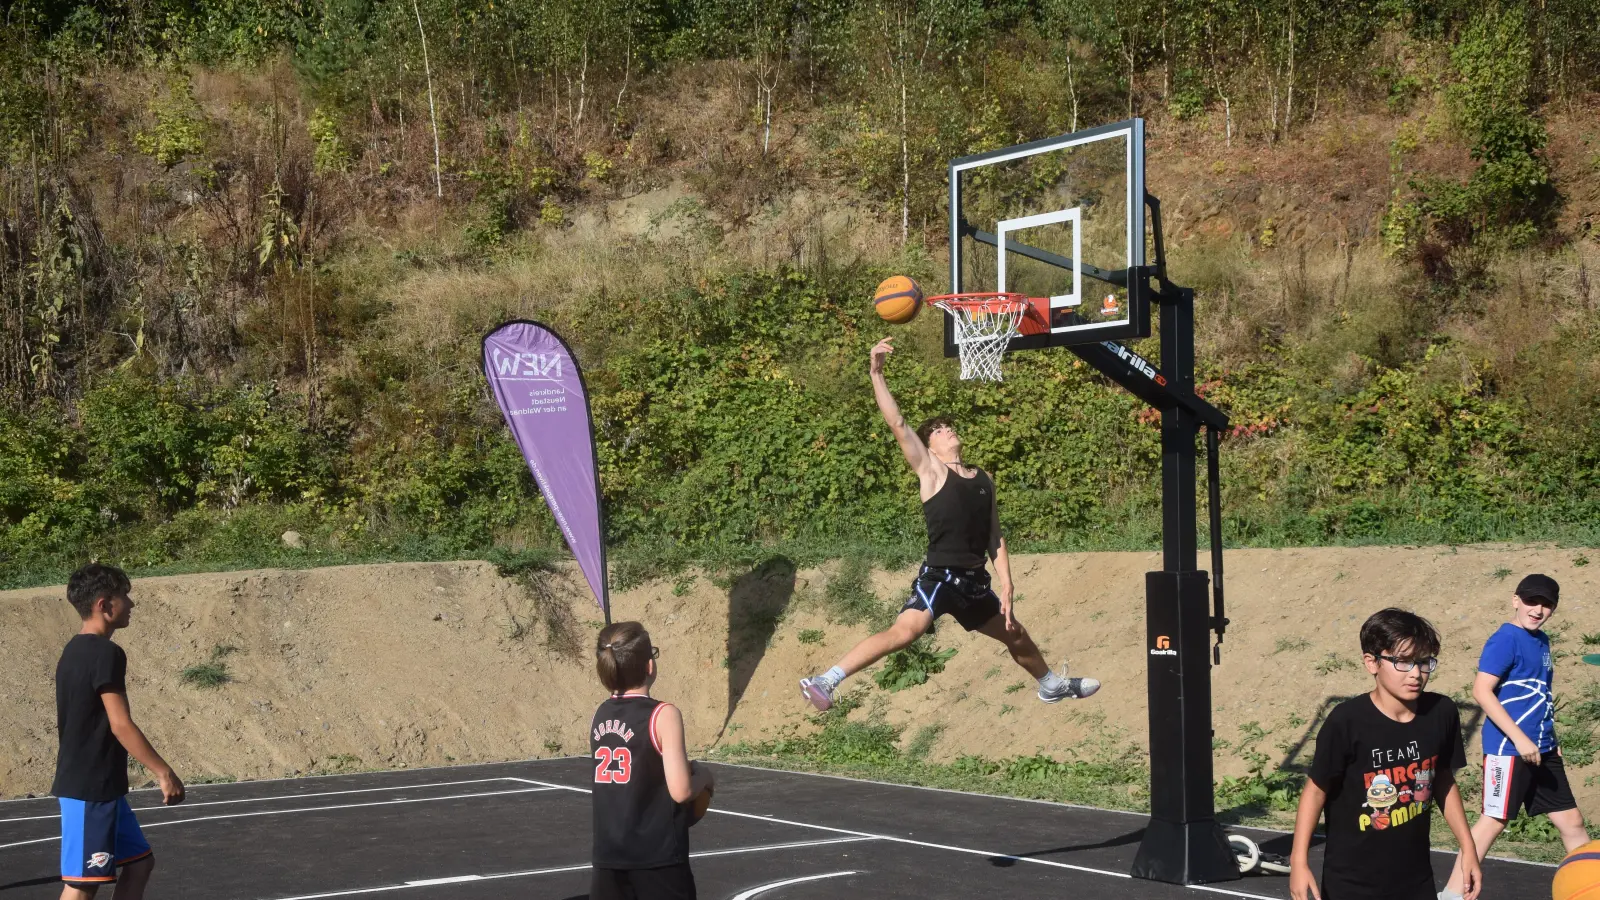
column 1073, row 688
column 819, row 692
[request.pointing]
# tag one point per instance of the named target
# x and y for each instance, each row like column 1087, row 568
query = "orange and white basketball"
column 1578, row 876
column 897, row 299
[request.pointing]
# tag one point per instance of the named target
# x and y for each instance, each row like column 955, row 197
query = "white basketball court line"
column 990, row 854
column 528, row 873
column 187, row 805
column 308, row 809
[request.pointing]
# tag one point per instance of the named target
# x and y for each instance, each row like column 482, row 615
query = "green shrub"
column 329, row 153
column 179, row 130
column 911, row 665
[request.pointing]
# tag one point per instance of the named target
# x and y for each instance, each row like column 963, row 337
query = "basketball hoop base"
column 985, row 323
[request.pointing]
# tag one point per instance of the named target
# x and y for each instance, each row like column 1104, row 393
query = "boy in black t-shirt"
column 1382, row 760
column 100, row 837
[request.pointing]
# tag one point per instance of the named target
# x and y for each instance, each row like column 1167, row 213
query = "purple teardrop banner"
column 536, row 381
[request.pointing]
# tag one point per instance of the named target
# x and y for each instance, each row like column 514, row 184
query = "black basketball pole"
column 1184, row 843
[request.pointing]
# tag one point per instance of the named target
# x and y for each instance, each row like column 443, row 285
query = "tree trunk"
column 583, row 86
column 905, row 164
column 1288, row 110
column 433, row 115
column 1072, row 91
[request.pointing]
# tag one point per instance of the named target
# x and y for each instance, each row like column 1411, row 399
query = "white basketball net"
column 984, row 327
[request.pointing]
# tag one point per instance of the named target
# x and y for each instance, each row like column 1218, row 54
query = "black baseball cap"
column 1539, row 587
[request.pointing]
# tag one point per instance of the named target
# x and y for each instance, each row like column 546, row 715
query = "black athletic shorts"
column 666, row 883
column 1510, row 784
column 963, row 593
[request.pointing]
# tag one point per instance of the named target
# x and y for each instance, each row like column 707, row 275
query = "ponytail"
column 622, row 656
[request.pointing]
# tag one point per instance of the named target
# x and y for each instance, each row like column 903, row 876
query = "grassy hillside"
column 247, row 251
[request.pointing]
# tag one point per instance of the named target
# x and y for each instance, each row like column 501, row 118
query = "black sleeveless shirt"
column 960, row 520
column 637, row 824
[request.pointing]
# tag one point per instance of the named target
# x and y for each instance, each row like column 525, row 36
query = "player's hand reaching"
column 880, row 352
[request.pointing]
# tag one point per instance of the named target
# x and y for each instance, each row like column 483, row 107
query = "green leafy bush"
column 911, row 665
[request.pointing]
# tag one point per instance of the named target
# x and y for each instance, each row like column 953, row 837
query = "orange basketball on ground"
column 1578, row 876
column 897, row 299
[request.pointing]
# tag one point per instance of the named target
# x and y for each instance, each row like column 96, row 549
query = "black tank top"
column 959, row 518
column 637, row 825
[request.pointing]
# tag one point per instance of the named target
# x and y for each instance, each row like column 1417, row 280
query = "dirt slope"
column 427, row 664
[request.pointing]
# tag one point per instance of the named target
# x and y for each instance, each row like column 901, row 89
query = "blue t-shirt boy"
column 1521, row 660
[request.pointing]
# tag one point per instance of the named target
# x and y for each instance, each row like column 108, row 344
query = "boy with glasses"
column 1522, row 767
column 1381, row 758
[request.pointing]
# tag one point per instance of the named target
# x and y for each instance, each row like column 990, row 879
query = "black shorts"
column 666, row 883
column 963, row 593
column 1510, row 784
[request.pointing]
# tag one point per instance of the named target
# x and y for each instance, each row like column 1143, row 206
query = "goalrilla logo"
column 1163, row 647
column 1133, row 359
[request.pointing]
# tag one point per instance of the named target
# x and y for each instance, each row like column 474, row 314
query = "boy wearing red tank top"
column 643, row 778
column 963, row 521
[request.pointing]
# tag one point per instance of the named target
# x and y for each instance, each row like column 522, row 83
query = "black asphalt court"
column 523, row 830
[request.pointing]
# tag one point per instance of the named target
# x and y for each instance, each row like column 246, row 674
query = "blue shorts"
column 96, row 837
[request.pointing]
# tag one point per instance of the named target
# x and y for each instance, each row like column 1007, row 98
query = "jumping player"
column 963, row 520
column 100, row 837
column 642, row 778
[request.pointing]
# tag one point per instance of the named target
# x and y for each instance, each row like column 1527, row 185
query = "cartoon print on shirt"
column 1380, row 796
column 1399, row 788
column 1424, row 788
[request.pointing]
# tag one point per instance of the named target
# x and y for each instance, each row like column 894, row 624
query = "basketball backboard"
column 1061, row 218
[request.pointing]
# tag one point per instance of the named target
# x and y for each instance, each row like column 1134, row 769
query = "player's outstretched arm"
column 1302, row 884
column 132, row 739
column 674, row 753
column 917, row 455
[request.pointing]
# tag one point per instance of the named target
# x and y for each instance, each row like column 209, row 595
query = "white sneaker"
column 818, row 691
column 1073, row 688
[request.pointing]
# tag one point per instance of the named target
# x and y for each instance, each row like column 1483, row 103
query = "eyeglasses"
column 655, row 653
column 1406, row 665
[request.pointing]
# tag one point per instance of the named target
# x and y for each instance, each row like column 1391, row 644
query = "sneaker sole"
column 814, row 694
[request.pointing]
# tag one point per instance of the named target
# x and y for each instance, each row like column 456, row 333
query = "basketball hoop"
column 985, row 323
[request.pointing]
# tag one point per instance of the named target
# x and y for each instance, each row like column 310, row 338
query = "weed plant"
column 213, row 673
column 911, row 665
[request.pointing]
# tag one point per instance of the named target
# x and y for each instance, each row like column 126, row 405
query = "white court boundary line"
column 250, row 781
column 184, row 806
column 1056, row 803
column 526, row 873
column 953, row 849
column 285, row 812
